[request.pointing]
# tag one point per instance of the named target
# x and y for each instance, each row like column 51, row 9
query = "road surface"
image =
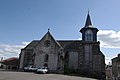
column 12, row 75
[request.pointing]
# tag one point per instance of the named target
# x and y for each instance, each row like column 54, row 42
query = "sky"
column 22, row 21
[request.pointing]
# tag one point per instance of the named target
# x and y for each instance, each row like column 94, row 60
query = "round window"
column 47, row 43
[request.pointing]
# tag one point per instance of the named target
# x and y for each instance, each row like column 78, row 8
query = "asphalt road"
column 12, row 75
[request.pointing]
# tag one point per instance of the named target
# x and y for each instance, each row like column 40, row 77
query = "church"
column 62, row 56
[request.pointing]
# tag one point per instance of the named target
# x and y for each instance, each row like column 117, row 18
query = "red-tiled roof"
column 10, row 59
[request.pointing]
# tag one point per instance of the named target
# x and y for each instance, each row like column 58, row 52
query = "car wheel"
column 44, row 72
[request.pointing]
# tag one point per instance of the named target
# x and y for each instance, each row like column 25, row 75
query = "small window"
column 88, row 35
column 46, row 58
column 45, row 65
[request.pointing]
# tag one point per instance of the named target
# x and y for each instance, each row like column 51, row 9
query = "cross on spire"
column 88, row 11
column 48, row 29
column 88, row 20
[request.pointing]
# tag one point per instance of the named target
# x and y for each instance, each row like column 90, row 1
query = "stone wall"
column 51, row 50
column 73, row 60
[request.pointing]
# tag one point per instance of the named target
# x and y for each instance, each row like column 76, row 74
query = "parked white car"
column 33, row 69
column 27, row 68
column 42, row 70
column 30, row 68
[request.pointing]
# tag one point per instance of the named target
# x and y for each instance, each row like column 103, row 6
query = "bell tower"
column 89, row 32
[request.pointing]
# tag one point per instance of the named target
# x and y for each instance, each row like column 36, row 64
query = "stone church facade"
column 82, row 56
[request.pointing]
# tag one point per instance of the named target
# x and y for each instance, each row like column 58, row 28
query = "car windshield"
column 43, row 68
column 29, row 66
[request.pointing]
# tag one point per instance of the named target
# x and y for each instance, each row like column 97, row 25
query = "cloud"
column 7, row 50
column 25, row 43
column 109, row 38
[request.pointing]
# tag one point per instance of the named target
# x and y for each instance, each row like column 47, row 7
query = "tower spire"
column 89, row 33
column 88, row 11
column 88, row 20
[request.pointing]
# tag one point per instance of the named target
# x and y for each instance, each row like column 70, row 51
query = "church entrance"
column 45, row 65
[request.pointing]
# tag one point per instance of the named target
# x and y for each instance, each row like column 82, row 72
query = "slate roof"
column 88, row 22
column 116, row 59
column 32, row 44
column 66, row 44
column 70, row 44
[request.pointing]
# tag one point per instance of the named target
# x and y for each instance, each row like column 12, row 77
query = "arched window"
column 45, row 65
column 88, row 35
column 46, row 58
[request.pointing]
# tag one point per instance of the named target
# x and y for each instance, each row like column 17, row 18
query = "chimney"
column 119, row 55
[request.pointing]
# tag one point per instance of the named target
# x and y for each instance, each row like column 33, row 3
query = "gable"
column 48, row 41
